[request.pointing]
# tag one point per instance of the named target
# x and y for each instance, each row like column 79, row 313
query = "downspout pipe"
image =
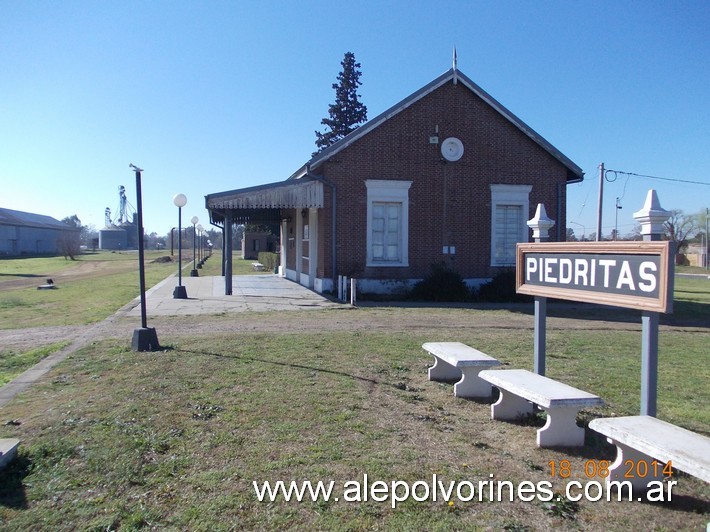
column 560, row 236
column 334, row 203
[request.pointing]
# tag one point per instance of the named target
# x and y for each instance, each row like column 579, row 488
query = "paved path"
column 249, row 293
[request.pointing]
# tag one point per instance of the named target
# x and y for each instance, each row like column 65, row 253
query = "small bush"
column 269, row 260
column 442, row 284
column 501, row 289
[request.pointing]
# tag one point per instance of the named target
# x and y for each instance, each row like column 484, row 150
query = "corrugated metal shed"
column 28, row 219
column 26, row 233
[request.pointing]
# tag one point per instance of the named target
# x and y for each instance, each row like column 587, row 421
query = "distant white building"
column 25, row 233
column 696, row 255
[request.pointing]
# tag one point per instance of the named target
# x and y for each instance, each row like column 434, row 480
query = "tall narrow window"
column 509, row 209
column 387, row 223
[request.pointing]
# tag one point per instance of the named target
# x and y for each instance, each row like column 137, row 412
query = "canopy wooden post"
column 228, row 253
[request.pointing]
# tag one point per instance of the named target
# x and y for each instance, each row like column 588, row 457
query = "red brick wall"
column 449, row 202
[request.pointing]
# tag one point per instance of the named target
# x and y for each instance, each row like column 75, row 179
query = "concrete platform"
column 256, row 293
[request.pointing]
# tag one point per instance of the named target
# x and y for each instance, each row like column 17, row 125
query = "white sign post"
column 636, row 275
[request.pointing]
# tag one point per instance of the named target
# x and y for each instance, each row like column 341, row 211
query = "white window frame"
column 503, row 195
column 387, row 191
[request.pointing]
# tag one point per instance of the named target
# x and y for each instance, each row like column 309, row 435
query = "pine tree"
column 347, row 113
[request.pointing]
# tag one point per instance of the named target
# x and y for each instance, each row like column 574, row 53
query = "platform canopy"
column 264, row 203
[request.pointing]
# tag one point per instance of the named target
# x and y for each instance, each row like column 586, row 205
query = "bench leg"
column 443, row 371
column 8, row 450
column 633, row 466
column 510, row 406
column 471, row 385
column 561, row 429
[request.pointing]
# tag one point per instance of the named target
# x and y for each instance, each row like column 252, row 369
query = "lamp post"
column 179, row 200
column 194, row 272
column 200, row 230
column 145, row 338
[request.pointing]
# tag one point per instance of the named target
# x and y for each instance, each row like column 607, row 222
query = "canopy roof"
column 263, row 203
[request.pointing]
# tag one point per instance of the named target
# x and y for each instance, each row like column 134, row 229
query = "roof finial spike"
column 455, row 67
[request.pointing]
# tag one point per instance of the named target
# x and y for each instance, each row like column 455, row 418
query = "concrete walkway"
column 259, row 293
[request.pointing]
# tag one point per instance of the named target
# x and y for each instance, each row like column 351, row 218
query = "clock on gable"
column 452, row 149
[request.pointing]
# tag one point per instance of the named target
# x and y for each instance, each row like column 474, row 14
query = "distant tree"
column 570, row 235
column 347, row 113
column 257, row 228
column 153, row 241
column 69, row 244
column 72, row 221
column 88, row 234
column 678, row 228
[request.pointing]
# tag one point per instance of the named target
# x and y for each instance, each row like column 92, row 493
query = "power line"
column 616, row 172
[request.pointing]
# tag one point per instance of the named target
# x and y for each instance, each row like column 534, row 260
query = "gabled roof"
column 28, row 219
column 574, row 172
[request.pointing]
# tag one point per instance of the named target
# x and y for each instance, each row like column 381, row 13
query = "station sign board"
column 637, row 275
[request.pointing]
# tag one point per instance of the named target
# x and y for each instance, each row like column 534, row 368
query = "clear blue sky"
column 217, row 95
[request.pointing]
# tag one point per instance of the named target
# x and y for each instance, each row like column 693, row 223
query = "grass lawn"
column 114, row 439
column 88, row 289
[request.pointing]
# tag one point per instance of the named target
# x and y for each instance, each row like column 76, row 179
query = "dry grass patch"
column 116, row 439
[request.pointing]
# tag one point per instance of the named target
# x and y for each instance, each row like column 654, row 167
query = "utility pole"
column 601, row 198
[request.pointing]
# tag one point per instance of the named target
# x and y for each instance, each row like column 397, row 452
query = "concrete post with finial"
column 540, row 225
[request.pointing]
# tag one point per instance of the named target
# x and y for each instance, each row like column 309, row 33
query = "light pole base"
column 194, row 273
column 145, row 340
column 180, row 292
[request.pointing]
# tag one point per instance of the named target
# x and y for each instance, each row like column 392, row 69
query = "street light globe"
column 180, row 200
column 194, row 220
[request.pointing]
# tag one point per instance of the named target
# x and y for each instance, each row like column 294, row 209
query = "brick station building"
column 446, row 175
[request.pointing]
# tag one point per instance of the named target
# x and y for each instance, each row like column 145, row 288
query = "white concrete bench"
column 8, row 450
column 457, row 362
column 645, row 444
column 257, row 266
column 560, row 401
